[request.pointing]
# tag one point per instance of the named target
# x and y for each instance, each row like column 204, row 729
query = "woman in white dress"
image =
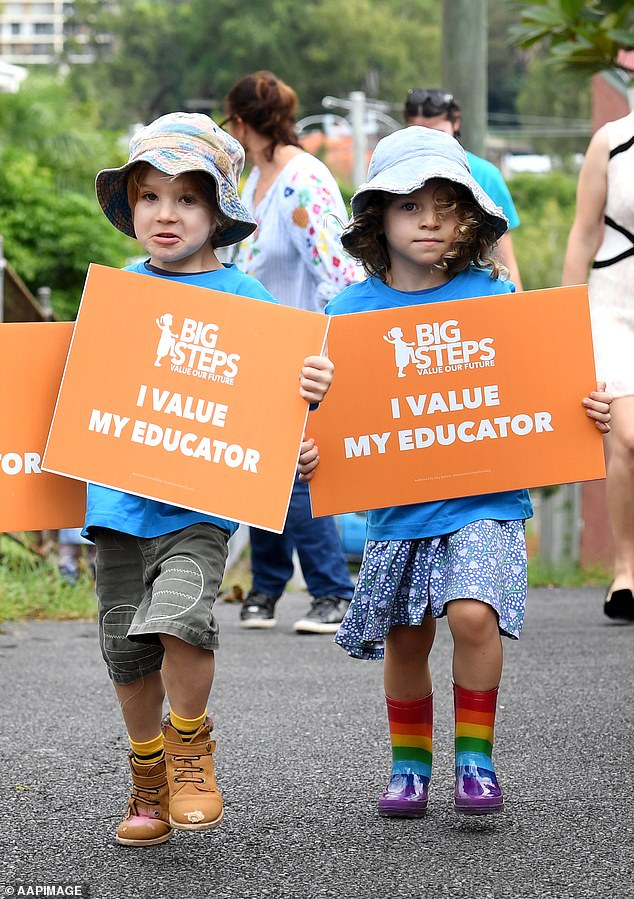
column 602, row 242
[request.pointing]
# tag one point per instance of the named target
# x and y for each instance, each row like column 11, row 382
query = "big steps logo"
column 439, row 347
column 193, row 350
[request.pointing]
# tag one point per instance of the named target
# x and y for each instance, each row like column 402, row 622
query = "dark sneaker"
column 324, row 617
column 258, row 611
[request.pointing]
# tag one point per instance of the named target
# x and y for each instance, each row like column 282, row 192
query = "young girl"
column 423, row 229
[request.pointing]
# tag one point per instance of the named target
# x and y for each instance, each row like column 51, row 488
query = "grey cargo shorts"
column 152, row 586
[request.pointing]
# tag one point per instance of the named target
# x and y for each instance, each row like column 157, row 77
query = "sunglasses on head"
column 421, row 101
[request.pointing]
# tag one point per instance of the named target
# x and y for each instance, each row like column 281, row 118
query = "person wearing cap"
column 296, row 253
column 159, row 567
column 437, row 109
column 424, row 231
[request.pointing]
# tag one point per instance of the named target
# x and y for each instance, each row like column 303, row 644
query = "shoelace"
column 144, row 795
column 188, row 770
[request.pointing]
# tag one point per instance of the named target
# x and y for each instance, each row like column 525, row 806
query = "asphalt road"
column 302, row 756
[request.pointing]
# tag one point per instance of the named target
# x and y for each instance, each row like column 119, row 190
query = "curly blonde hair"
column 364, row 238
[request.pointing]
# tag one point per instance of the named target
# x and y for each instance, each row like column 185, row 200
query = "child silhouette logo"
column 403, row 352
column 167, row 339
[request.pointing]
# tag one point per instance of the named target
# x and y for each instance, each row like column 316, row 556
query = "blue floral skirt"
column 401, row 581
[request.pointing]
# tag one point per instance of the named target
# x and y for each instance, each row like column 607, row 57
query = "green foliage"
column 568, row 96
column 167, row 52
column 50, row 150
column 546, row 206
column 549, row 574
column 145, row 66
column 346, row 193
column 582, row 34
column 31, row 587
column 51, row 236
column 43, row 118
column 506, row 65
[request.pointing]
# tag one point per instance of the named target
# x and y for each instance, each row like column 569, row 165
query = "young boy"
column 159, row 567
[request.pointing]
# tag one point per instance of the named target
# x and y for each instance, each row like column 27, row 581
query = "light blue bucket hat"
column 405, row 160
column 174, row 144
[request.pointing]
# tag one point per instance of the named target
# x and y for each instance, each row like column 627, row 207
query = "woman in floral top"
column 296, row 254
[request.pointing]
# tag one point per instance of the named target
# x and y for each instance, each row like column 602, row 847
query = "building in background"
column 37, row 32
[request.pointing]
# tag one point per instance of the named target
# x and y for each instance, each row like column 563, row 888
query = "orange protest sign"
column 185, row 395
column 32, row 359
column 455, row 399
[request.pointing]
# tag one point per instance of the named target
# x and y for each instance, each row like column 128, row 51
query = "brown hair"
column 201, row 181
column 364, row 238
column 268, row 105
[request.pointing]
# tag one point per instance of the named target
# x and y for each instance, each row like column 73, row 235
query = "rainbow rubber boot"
column 411, row 724
column 477, row 791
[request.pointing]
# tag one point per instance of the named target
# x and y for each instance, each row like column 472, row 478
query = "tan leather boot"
column 194, row 800
column 146, row 822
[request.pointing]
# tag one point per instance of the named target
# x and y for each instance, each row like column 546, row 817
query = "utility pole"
column 359, row 137
column 464, row 66
column 364, row 114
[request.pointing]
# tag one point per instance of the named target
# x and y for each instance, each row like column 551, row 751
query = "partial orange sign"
column 454, row 399
column 32, row 360
column 185, row 395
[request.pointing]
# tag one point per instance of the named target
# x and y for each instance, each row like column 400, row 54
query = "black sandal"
column 620, row 604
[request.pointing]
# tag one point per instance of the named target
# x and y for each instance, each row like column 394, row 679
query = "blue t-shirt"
column 490, row 179
column 445, row 516
column 129, row 514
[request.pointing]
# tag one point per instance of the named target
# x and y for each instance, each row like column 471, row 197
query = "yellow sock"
column 148, row 753
column 187, row 727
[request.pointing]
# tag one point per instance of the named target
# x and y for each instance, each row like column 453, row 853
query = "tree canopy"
column 586, row 35
column 166, row 53
column 50, row 150
column 156, row 56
